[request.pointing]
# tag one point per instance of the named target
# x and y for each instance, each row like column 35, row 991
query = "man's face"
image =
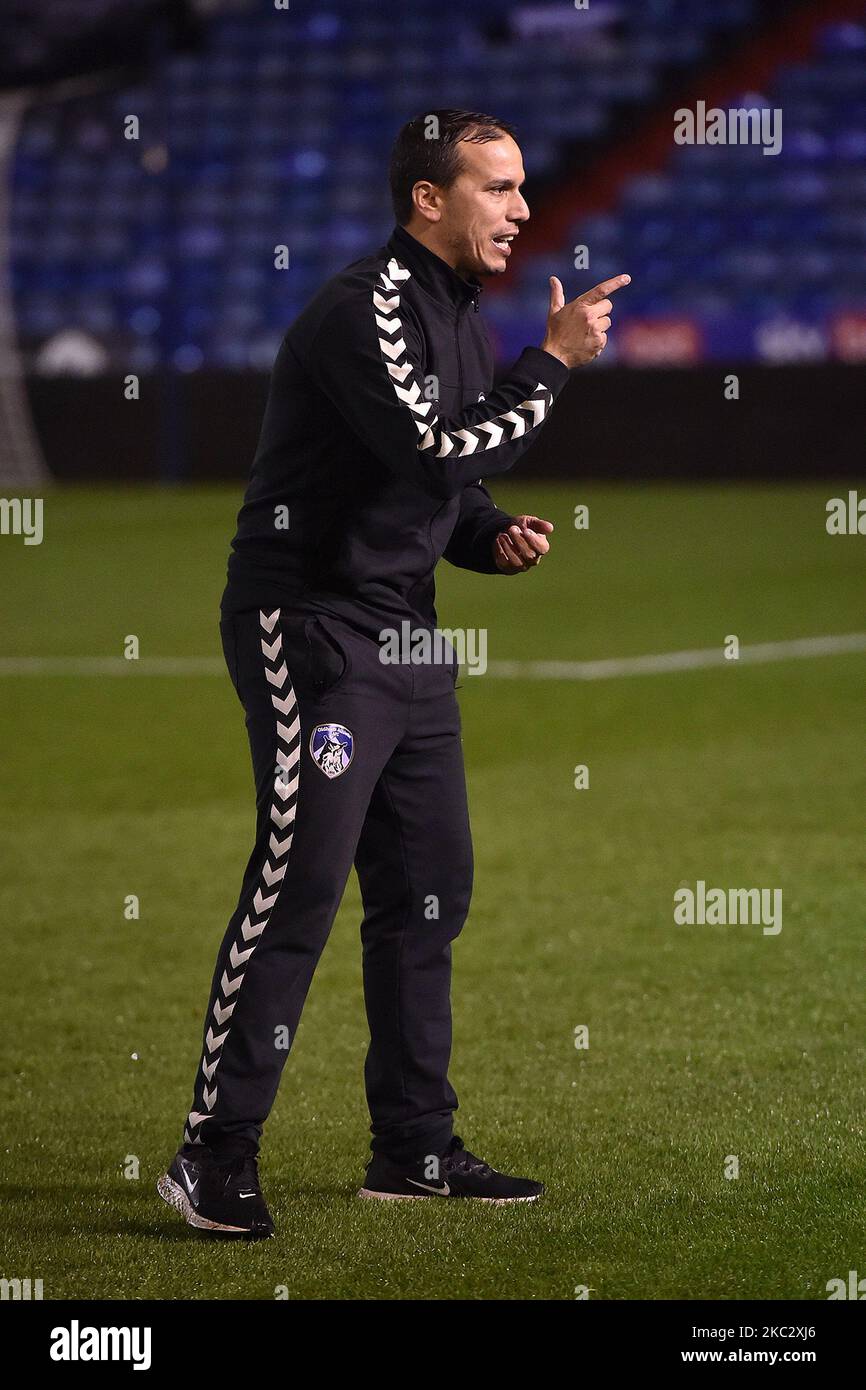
column 483, row 208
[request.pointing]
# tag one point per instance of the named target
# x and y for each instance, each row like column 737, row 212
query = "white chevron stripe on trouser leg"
column 267, row 888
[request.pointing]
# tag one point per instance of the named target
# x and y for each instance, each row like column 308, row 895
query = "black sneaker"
column 455, row 1173
column 218, row 1194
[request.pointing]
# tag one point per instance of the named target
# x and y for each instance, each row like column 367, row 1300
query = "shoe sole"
column 172, row 1193
column 367, row 1192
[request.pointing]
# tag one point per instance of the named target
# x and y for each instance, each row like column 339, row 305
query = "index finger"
column 604, row 289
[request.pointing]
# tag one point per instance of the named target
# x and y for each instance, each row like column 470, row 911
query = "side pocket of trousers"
column 330, row 660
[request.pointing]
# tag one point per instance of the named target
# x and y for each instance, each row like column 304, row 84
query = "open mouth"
column 503, row 243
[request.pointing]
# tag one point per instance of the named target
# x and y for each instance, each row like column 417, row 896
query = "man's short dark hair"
column 426, row 148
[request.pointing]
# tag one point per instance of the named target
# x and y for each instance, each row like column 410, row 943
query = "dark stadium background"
column 261, row 126
column 705, row 445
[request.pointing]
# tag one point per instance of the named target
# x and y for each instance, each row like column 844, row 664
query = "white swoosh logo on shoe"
column 443, row 1191
column 246, row 1194
column 190, row 1186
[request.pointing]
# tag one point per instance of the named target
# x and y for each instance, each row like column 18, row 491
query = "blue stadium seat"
column 278, row 132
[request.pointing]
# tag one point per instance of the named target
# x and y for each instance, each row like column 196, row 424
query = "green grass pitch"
column 704, row 1041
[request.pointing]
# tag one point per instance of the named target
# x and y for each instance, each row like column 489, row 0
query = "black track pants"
column 354, row 761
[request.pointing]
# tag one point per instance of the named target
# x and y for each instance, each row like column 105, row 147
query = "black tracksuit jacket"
column 381, row 422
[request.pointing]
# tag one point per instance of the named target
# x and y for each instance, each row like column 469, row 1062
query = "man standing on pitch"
column 381, row 421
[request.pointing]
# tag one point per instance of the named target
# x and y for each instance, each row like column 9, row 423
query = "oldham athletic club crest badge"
column 331, row 748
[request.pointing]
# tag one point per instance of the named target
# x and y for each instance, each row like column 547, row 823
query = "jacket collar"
column 432, row 273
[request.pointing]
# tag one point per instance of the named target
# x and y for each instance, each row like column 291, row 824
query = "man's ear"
column 427, row 200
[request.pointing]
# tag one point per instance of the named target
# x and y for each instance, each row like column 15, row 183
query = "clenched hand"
column 521, row 547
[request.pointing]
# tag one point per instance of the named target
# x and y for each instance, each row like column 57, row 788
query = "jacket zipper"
column 460, row 312
column 458, row 322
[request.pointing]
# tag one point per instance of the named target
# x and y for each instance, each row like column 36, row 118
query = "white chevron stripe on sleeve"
column 399, row 371
column 518, row 421
column 408, row 394
column 487, row 434
column 470, row 441
column 538, row 408
column 495, row 431
column 393, row 350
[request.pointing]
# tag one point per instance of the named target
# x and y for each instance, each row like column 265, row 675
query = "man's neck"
column 426, row 233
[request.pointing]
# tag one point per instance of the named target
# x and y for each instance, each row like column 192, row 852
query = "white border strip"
column 657, row 664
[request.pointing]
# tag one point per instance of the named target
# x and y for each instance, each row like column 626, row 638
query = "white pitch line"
column 111, row 666
column 759, row 652
column 655, row 664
